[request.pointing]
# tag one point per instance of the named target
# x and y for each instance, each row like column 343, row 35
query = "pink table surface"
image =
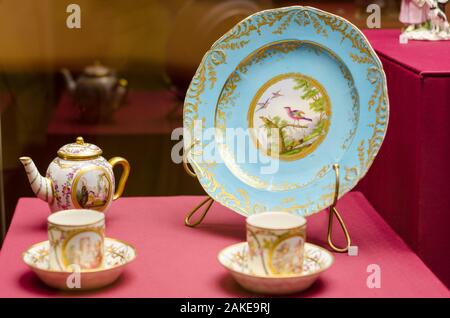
column 408, row 182
column 427, row 58
column 177, row 261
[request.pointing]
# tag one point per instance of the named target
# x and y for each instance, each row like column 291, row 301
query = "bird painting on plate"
column 263, row 105
column 296, row 115
column 276, row 94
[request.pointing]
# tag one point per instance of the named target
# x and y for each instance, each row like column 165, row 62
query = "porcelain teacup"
column 76, row 239
column 275, row 243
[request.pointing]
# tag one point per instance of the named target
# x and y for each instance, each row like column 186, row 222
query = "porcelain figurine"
column 79, row 178
column 413, row 13
column 97, row 92
column 425, row 20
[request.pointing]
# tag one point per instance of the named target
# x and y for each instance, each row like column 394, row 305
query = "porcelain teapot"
column 97, row 92
column 79, row 178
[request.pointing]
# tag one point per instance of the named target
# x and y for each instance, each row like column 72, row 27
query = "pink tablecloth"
column 177, row 261
column 420, row 57
column 408, row 183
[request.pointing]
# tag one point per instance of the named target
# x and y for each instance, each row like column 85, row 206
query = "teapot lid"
column 79, row 150
column 97, row 70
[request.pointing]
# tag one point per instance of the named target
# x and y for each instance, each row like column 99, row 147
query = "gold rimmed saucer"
column 118, row 254
column 316, row 261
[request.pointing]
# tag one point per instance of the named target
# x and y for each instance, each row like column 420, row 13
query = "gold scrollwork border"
column 254, row 23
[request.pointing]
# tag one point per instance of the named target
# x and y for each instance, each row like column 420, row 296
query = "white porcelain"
column 435, row 26
column 235, row 259
column 79, row 178
column 118, row 254
column 76, row 238
column 276, row 241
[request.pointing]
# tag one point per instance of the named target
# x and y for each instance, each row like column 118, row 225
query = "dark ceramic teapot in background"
column 97, row 92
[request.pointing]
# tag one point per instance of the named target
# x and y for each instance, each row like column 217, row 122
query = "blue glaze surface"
column 317, row 45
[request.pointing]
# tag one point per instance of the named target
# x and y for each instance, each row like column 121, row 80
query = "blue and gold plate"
column 276, row 102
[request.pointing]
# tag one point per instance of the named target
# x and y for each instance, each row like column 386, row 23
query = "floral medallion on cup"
column 73, row 242
column 278, row 253
column 275, row 243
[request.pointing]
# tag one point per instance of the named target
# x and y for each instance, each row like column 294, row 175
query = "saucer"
column 117, row 255
column 316, row 261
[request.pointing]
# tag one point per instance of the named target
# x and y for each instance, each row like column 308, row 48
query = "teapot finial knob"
column 80, row 140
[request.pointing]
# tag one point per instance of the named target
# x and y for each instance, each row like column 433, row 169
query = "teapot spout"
column 70, row 82
column 41, row 186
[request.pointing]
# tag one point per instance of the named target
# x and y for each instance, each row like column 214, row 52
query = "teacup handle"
column 123, row 178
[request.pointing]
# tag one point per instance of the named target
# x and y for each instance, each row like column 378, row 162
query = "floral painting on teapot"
column 83, row 186
column 79, row 178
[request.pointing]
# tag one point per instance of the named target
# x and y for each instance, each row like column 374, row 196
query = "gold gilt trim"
column 226, row 98
column 78, row 176
column 62, row 227
column 99, row 230
column 94, row 270
column 64, row 156
column 237, row 37
column 301, row 234
column 264, row 88
column 323, row 267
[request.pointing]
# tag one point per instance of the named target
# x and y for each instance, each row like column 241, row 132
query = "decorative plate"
column 316, row 260
column 300, row 74
column 118, row 254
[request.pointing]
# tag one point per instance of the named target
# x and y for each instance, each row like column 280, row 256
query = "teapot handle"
column 123, row 178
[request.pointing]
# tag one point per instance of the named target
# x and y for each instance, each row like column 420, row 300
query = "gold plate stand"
column 207, row 202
